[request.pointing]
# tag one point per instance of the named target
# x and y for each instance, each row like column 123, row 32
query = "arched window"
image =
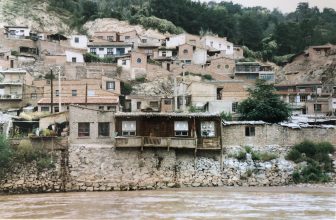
column 218, row 66
column 227, row 66
column 139, row 60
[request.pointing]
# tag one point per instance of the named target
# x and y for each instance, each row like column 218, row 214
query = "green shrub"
column 5, row 155
column 140, row 79
column 241, row 155
column 248, row 149
column 317, row 158
column 207, row 77
column 294, row 155
column 267, row 156
column 226, row 116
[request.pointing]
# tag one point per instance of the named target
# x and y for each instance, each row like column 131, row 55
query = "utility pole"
column 86, row 94
column 51, row 92
column 175, row 94
column 183, row 92
column 59, row 90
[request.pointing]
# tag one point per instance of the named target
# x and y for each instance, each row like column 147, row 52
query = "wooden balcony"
column 169, row 142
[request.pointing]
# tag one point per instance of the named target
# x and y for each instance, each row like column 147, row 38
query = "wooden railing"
column 168, row 142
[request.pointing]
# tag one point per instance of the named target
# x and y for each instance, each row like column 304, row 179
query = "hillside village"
column 143, row 71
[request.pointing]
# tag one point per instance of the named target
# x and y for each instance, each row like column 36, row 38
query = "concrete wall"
column 78, row 114
column 82, row 41
column 200, row 56
column 275, row 135
column 78, row 56
column 185, row 52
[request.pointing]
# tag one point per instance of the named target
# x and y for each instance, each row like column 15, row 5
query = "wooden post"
column 51, row 92
column 86, row 94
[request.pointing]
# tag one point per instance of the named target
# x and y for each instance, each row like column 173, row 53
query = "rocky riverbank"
column 104, row 168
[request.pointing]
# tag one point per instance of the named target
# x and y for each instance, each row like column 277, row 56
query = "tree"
column 263, row 104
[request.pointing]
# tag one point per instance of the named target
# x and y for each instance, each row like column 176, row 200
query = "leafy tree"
column 263, row 104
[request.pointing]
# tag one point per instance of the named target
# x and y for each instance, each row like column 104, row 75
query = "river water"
column 200, row 203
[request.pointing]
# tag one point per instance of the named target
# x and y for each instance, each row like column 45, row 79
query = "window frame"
column 128, row 132
column 83, row 129
column 103, row 129
column 181, row 132
column 110, row 85
column 208, row 129
column 74, row 92
column 249, row 131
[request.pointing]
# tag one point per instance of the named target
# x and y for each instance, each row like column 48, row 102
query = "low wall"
column 273, row 134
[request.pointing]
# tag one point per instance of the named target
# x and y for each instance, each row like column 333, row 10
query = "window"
column 127, row 37
column 228, row 47
column 101, row 49
column 101, row 108
column 91, row 93
column 109, row 51
column 110, row 85
column 149, row 51
column 57, row 93
column 187, row 62
column 124, row 62
column 220, row 45
column 208, row 129
column 218, row 66
column 234, row 106
column 33, row 96
column 74, row 92
column 167, row 101
column 317, row 107
column 154, row 104
column 181, row 128
column 211, row 43
column 103, row 129
column 227, row 66
column 185, row 51
column 139, row 60
column 112, row 108
column 164, row 53
column 83, row 129
column 44, row 109
column 128, row 128
column 100, row 37
column 143, row 41
column 93, row 50
column 303, row 98
column 110, row 38
column 138, row 105
column 56, row 109
column 74, row 59
column 249, row 131
column 76, row 40
column 291, row 99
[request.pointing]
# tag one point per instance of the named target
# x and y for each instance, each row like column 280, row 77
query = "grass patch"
column 24, row 153
column 256, row 156
column 318, row 161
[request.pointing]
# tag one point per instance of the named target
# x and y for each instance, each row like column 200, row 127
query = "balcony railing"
column 168, row 142
column 11, row 96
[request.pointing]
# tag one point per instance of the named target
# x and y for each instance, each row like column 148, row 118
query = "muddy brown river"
column 200, row 203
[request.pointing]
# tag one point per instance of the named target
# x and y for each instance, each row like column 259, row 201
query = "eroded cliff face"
column 34, row 14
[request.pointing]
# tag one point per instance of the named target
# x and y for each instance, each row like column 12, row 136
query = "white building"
column 218, row 44
column 109, row 49
column 79, row 41
column 125, row 63
column 17, row 31
column 177, row 40
column 74, row 57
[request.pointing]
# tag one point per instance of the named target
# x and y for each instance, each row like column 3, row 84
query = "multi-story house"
column 109, row 49
column 16, row 90
column 250, row 71
column 305, row 98
column 100, row 94
column 217, row 44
